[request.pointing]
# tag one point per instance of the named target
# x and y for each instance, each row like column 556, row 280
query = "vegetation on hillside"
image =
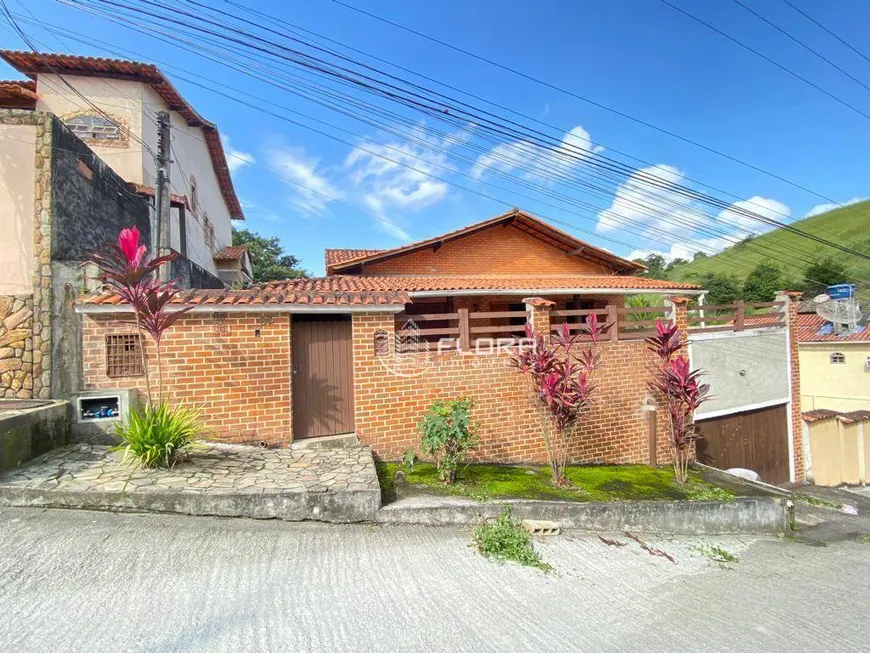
column 751, row 268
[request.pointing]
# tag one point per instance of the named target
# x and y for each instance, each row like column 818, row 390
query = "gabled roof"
column 808, row 325
column 233, row 253
column 33, row 63
column 334, row 256
column 516, row 218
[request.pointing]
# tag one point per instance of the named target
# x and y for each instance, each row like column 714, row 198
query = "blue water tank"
column 841, row 291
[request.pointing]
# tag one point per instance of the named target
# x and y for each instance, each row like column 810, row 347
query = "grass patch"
column 505, row 539
column 591, row 483
column 716, row 553
column 819, row 503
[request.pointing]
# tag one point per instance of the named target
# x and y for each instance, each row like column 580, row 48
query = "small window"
column 124, row 355
column 194, row 196
column 838, row 358
column 96, row 128
column 208, row 227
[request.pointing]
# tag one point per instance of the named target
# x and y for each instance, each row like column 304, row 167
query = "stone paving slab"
column 335, row 485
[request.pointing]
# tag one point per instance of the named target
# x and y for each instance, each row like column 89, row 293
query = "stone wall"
column 16, row 346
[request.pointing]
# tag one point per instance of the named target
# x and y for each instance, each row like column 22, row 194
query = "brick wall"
column 218, row 362
column 497, row 250
column 791, row 300
column 392, row 394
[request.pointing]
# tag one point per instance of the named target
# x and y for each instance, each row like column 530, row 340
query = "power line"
column 587, row 100
column 308, row 61
column 760, row 54
column 802, row 44
column 463, row 187
column 830, row 32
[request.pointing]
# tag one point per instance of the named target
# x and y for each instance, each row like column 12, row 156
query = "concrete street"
column 85, row 581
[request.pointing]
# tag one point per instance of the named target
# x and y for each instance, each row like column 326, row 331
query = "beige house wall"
column 120, row 100
column 17, row 179
column 835, row 386
column 840, row 451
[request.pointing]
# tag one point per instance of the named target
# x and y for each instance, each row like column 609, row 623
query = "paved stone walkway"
column 218, row 479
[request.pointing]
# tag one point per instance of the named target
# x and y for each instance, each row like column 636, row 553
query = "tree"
column 821, row 274
column 656, row 265
column 677, row 261
column 268, row 259
column 699, row 255
column 722, row 288
column 762, row 283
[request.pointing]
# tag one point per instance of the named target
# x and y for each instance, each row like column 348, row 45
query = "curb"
column 333, row 507
column 753, row 515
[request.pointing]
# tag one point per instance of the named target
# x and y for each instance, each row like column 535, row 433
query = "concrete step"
column 342, row 441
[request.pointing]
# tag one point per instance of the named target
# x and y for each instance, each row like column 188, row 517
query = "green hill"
column 792, row 253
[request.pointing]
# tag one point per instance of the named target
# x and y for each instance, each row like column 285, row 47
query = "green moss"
column 590, row 483
column 815, row 501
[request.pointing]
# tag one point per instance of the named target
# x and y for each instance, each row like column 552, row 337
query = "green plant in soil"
column 819, row 503
column 505, row 539
column 158, row 435
column 586, row 483
column 448, row 435
column 716, row 553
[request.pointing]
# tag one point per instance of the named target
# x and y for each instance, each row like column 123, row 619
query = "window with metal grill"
column 95, row 128
column 124, row 355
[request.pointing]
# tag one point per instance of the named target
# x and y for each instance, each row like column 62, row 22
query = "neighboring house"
column 111, row 105
column 234, row 266
column 835, row 368
column 368, row 348
column 77, row 141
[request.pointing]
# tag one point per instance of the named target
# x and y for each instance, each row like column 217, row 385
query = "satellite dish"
column 844, row 314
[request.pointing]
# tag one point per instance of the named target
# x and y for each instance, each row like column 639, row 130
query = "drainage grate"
column 537, row 527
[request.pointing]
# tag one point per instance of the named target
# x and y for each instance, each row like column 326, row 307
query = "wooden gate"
column 322, row 366
column 756, row 440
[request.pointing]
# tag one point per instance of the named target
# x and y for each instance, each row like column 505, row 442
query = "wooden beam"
column 575, row 252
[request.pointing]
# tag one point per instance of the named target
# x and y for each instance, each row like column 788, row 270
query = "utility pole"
column 162, row 203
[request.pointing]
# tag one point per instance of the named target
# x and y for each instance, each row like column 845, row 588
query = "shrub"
column 505, row 539
column 562, row 384
column 448, row 435
column 157, row 436
column 679, row 386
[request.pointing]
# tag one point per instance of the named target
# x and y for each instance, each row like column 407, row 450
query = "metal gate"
column 755, row 439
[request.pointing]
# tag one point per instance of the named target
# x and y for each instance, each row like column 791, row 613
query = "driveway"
column 80, row 581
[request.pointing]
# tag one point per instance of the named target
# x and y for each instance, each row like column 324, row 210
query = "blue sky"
column 638, row 56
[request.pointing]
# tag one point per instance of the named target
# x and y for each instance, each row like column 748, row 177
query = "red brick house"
column 370, row 346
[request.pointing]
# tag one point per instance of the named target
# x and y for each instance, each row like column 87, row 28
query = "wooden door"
column 756, row 440
column 322, row 366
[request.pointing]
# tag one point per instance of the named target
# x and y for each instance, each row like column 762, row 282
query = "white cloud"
column 395, row 179
column 536, row 161
column 651, row 204
column 824, row 208
column 236, row 159
column 311, row 190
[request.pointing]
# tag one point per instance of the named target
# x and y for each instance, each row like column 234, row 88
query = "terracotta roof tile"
column 32, row 63
column 847, row 416
column 18, row 93
column 230, row 253
column 334, row 256
column 808, row 325
column 397, row 291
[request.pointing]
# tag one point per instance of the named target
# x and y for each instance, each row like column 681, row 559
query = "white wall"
column 744, row 369
column 17, row 178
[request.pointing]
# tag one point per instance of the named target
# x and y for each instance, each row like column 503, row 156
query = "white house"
column 111, row 105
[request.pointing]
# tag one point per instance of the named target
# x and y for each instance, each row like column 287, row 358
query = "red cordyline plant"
column 128, row 271
column 562, row 384
column 678, row 384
